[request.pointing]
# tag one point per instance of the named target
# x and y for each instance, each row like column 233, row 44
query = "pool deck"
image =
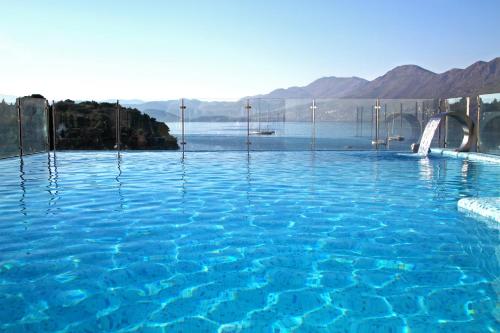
column 488, row 207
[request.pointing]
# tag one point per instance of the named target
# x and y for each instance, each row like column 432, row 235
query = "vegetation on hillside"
column 92, row 125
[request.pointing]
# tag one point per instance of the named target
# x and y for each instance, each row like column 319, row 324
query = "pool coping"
column 471, row 156
column 487, row 207
column 477, row 207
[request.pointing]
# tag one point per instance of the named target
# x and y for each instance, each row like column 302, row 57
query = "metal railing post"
column 478, row 122
column 183, row 108
column 47, row 121
column 313, row 108
column 20, row 123
column 440, row 124
column 118, row 127
column 377, row 117
column 53, row 127
column 248, row 107
column 446, row 109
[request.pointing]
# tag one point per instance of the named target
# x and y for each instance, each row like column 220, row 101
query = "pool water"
column 237, row 242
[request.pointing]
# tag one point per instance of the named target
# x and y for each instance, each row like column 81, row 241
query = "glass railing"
column 453, row 129
column 93, row 126
column 86, row 125
column 253, row 124
column 23, row 127
column 302, row 124
column 34, row 132
column 489, row 124
column 9, row 130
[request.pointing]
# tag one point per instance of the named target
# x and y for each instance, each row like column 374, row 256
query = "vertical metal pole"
column 118, row 129
column 377, row 115
column 54, row 127
column 47, row 121
column 477, row 127
column 440, row 124
column 20, row 123
column 446, row 109
column 182, row 107
column 313, row 114
column 248, row 107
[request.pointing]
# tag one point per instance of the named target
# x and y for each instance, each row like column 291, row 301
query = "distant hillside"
column 408, row 81
column 415, row 82
column 326, row 87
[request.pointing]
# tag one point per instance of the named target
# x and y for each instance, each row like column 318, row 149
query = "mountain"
column 326, row 87
column 408, row 81
column 412, row 81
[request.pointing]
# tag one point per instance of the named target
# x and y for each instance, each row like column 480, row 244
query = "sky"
column 218, row 49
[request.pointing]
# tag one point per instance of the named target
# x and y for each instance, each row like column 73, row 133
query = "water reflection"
column 425, row 168
column 118, row 180
column 53, row 187
column 22, row 185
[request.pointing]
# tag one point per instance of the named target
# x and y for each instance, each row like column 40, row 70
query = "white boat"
column 263, row 132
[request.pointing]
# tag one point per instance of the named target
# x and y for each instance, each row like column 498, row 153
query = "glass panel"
column 402, row 121
column 34, row 124
column 212, row 125
column 489, row 124
column 454, row 132
column 344, row 124
column 269, row 126
column 9, row 130
column 85, row 125
column 141, row 131
column 297, row 130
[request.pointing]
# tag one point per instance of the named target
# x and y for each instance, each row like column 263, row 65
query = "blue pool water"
column 237, row 242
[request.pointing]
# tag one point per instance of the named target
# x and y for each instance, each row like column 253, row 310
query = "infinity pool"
column 237, row 242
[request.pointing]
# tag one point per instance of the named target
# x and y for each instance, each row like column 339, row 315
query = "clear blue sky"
column 228, row 49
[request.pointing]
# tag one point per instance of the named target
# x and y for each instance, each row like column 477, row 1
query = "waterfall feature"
column 433, row 123
column 430, row 129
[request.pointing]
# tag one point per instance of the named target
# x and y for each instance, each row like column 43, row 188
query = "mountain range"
column 408, row 81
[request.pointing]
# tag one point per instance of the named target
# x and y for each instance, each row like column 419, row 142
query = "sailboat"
column 263, row 131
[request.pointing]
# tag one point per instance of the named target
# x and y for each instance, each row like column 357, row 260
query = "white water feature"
column 430, row 129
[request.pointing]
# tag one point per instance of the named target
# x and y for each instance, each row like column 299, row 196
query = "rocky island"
column 92, row 125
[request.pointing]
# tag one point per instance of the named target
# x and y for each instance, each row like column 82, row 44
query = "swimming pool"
column 236, row 242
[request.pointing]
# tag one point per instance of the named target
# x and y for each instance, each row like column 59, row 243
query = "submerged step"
column 485, row 207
